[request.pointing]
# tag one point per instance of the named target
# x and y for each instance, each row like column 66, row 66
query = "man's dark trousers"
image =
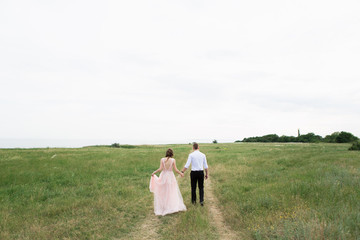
column 197, row 177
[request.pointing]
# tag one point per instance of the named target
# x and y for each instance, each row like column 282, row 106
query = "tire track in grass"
column 225, row 233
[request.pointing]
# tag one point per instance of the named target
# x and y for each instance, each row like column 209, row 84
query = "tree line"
column 336, row 137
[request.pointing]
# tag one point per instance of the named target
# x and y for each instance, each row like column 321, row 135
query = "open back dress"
column 167, row 195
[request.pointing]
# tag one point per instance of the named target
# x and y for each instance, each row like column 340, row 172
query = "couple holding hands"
column 167, row 195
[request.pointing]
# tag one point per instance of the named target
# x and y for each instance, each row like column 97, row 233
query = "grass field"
column 265, row 191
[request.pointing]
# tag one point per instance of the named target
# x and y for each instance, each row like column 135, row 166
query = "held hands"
column 181, row 174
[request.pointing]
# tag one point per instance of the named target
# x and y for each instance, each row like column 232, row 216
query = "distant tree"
column 214, row 141
column 266, row 138
column 270, row 138
column 284, row 138
column 345, row 137
column 331, row 138
column 251, row 139
column 238, row 141
column 310, row 138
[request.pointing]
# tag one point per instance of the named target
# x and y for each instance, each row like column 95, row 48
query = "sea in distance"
column 76, row 143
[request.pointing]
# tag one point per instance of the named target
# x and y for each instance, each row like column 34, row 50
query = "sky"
column 178, row 71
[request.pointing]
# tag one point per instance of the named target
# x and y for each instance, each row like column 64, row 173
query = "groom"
column 198, row 163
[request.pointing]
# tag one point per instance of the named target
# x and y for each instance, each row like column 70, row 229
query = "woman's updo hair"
column 169, row 153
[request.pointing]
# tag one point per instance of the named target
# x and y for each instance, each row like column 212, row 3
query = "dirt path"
column 218, row 219
column 147, row 229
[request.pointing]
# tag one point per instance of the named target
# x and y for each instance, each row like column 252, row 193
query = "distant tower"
column 299, row 132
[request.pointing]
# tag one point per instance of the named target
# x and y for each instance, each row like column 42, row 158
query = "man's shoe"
column 202, row 204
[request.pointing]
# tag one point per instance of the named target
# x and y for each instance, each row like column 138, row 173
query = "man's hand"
column 206, row 176
column 181, row 174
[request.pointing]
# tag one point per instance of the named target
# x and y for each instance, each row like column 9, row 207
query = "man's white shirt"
column 197, row 160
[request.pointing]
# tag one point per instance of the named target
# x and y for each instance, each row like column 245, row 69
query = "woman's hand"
column 181, row 174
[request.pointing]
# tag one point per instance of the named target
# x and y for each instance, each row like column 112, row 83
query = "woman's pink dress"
column 167, row 195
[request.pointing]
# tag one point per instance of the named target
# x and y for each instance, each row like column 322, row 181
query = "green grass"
column 94, row 193
column 289, row 191
column 266, row 191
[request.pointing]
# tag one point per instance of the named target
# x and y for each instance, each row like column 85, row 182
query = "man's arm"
column 187, row 164
column 206, row 168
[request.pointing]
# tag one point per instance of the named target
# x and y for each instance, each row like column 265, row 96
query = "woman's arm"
column 159, row 169
column 177, row 170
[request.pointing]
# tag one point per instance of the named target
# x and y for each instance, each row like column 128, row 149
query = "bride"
column 167, row 195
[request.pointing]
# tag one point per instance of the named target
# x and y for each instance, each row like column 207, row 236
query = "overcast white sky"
column 178, row 71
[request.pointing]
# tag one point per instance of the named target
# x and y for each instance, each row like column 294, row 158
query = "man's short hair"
column 195, row 145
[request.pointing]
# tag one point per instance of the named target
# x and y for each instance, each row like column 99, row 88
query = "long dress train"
column 167, row 195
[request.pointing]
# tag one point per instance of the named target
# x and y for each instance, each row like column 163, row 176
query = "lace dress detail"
column 167, row 195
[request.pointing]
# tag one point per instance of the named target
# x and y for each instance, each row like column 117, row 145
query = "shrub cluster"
column 355, row 146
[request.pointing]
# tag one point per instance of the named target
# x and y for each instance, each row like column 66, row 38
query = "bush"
column 355, row 146
column 115, row 145
column 214, row 141
column 127, row 146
